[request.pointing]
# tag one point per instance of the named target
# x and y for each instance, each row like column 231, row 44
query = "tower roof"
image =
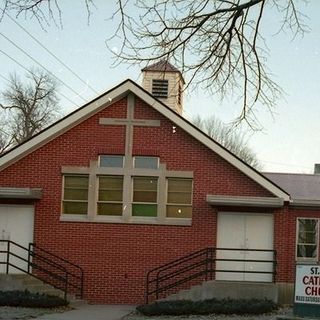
column 164, row 66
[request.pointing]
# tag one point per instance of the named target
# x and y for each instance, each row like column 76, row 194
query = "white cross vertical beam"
column 129, row 122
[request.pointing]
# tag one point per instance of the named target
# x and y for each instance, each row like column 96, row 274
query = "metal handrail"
column 73, row 275
column 187, row 267
column 64, row 280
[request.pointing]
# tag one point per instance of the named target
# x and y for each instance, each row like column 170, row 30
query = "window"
column 145, row 193
column 111, row 161
column 307, row 238
column 75, row 194
column 110, row 195
column 160, row 88
column 138, row 189
column 146, row 162
column 179, row 198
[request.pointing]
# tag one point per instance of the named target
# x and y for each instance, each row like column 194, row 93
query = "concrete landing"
column 228, row 289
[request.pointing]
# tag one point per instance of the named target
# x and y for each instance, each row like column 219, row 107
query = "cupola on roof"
column 165, row 82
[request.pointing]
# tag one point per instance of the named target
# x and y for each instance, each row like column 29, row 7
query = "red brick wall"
column 285, row 239
column 115, row 257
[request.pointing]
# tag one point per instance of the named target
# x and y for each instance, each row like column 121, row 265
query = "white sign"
column 307, row 289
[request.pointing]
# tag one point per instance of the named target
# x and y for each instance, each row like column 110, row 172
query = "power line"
column 27, row 70
column 52, row 54
column 42, row 66
column 286, row 164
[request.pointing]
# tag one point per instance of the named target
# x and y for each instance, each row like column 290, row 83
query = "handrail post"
column 274, row 266
column 212, row 250
column 8, row 256
column 157, row 286
column 29, row 257
column 207, row 262
column 147, row 289
column 66, row 287
column 82, row 282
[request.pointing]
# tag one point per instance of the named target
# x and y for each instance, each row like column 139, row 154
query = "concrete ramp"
column 228, row 289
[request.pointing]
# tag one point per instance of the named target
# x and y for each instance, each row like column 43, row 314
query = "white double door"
column 244, row 231
column 16, row 224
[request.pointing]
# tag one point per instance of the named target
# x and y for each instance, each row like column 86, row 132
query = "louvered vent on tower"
column 160, row 88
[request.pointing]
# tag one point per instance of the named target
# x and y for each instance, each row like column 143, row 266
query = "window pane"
column 75, row 182
column 110, row 188
column 180, row 185
column 307, row 251
column 179, row 197
column 110, row 195
column 307, row 225
column 76, row 194
column 307, row 238
column 179, row 211
column 145, row 196
column 111, row 182
column 75, row 207
column 111, row 161
column 145, row 184
column 110, row 209
column 146, row 162
column 144, row 210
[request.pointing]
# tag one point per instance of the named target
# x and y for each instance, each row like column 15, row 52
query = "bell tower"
column 164, row 82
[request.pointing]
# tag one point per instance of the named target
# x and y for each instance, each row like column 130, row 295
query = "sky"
column 290, row 139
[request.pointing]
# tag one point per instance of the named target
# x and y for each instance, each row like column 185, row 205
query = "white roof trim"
column 265, row 202
column 20, row 193
column 305, row 203
column 110, row 97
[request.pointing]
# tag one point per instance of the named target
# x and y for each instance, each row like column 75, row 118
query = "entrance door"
column 16, row 224
column 244, row 231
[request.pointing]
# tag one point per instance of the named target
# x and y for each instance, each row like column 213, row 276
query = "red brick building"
column 125, row 184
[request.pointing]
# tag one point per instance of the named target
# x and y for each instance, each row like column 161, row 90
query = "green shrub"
column 224, row 306
column 27, row 299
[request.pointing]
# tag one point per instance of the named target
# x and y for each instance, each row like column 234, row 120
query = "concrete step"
column 228, row 289
column 9, row 282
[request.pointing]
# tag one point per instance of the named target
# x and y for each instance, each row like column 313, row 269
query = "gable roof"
column 115, row 94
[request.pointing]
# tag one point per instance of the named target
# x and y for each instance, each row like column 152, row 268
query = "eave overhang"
column 241, row 201
column 20, row 193
column 305, row 203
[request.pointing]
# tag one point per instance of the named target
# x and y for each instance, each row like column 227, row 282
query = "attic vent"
column 160, row 88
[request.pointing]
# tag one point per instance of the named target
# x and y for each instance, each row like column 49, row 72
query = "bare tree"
column 30, row 105
column 6, row 140
column 43, row 11
column 217, row 44
column 234, row 140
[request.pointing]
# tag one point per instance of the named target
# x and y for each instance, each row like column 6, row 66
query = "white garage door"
column 16, row 224
column 245, row 231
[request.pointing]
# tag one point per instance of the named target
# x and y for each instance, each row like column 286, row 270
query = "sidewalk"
column 91, row 312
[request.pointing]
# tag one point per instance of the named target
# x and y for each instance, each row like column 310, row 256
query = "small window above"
column 146, row 162
column 111, row 161
column 160, row 88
